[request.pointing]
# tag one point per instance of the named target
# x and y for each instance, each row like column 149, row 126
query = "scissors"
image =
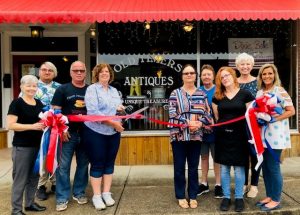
column 137, row 112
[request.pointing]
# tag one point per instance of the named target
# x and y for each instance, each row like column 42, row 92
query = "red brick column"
column 298, row 71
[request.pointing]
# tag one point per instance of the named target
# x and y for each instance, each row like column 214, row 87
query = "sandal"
column 263, row 202
column 183, row 203
column 193, row 203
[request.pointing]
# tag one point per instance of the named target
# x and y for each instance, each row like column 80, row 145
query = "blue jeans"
column 102, row 151
column 63, row 184
column 272, row 175
column 239, row 179
column 186, row 151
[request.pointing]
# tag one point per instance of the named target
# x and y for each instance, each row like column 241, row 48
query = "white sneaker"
column 108, row 199
column 98, row 203
column 252, row 192
column 61, row 206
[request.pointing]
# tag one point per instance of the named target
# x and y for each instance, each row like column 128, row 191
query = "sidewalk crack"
column 291, row 197
column 123, row 189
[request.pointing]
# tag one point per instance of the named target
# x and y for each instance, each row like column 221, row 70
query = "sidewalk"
column 149, row 190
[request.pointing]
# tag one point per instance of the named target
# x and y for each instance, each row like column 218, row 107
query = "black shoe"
column 41, row 193
column 18, row 213
column 35, row 207
column 239, row 205
column 225, row 204
column 202, row 189
column 218, row 192
column 53, row 188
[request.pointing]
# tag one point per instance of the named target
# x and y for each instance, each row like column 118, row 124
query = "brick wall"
column 298, row 70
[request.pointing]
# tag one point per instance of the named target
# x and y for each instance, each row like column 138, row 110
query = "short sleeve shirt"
column 71, row 101
column 278, row 133
column 27, row 114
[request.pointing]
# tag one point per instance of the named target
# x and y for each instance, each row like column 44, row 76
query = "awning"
column 60, row 11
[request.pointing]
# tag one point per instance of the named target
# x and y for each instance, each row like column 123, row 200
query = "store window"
column 147, row 61
column 267, row 41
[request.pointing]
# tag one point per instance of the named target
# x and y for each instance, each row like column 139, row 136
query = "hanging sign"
column 260, row 48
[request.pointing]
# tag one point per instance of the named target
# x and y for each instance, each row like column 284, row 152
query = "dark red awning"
column 65, row 11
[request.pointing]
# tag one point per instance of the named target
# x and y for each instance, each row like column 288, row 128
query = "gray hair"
column 28, row 79
column 244, row 57
column 51, row 66
column 77, row 61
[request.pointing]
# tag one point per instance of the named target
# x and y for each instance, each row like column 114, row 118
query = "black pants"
column 254, row 173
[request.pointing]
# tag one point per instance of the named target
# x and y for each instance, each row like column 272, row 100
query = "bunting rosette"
column 55, row 124
column 258, row 116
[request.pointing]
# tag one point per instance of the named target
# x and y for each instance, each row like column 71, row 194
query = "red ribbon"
column 97, row 118
column 255, row 131
column 57, row 125
column 262, row 106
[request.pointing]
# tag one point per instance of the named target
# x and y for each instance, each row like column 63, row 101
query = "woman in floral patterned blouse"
column 244, row 63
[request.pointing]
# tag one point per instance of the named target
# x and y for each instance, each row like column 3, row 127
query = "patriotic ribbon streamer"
column 258, row 116
column 55, row 124
column 255, row 133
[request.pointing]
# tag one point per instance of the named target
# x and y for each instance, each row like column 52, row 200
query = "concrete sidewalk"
column 149, row 190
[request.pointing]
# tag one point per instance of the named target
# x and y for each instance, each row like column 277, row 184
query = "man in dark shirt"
column 70, row 99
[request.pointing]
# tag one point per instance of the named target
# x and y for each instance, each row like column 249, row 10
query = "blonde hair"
column 260, row 83
column 220, row 89
column 98, row 68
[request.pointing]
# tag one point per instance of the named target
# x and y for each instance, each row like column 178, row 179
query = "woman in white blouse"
column 277, row 135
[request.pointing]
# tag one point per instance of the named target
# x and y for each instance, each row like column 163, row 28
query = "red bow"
column 262, row 105
column 57, row 123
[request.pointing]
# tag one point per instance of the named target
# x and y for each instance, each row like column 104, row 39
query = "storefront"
column 148, row 44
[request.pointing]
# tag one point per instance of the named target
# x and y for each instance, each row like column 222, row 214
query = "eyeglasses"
column 225, row 76
column 189, row 73
column 46, row 70
column 78, row 70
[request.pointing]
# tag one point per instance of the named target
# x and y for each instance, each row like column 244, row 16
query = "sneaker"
column 80, row 199
column 239, row 205
column 252, row 193
column 61, row 206
column 53, row 188
column 108, row 199
column 203, row 189
column 98, row 203
column 225, row 204
column 41, row 193
column 218, row 192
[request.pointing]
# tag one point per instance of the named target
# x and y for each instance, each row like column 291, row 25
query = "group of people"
column 196, row 110
column 94, row 143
